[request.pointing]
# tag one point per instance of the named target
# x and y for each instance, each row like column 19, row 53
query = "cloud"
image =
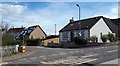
column 18, row 15
column 12, row 9
column 114, row 10
column 54, row 13
column 113, row 13
column 12, row 13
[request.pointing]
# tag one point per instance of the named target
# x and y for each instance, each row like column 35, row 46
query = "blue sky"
column 47, row 14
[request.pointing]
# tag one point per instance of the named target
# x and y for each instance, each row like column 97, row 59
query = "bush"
column 104, row 38
column 33, row 42
column 111, row 37
column 80, row 40
column 8, row 39
column 93, row 38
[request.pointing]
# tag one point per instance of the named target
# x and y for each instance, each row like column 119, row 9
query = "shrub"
column 93, row 38
column 33, row 42
column 8, row 39
column 111, row 37
column 80, row 40
column 104, row 38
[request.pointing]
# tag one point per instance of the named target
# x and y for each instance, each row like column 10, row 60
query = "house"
column 51, row 39
column 15, row 32
column 95, row 26
column 33, row 32
column 117, row 22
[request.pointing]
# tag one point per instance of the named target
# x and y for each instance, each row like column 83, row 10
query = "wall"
column 37, row 34
column 99, row 27
column 54, row 40
column 65, row 36
column 86, row 34
column 8, row 50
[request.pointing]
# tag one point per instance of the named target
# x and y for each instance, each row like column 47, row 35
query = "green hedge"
column 80, row 41
column 8, row 39
column 33, row 42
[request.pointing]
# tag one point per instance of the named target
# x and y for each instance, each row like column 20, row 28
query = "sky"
column 47, row 14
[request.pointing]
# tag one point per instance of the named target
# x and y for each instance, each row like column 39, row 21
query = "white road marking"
column 71, row 52
column 53, row 54
column 102, row 47
column 105, row 47
column 69, row 61
column 22, row 59
column 33, row 58
column 40, row 47
column 42, row 56
column 62, row 54
column 77, row 51
column 88, row 61
column 3, row 63
column 89, row 56
column 112, row 51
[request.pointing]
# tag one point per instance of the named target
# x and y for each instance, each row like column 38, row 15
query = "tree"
column 104, row 38
column 8, row 39
column 111, row 37
column 4, row 26
column 93, row 38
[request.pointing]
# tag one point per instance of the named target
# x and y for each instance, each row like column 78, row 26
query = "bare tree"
column 4, row 26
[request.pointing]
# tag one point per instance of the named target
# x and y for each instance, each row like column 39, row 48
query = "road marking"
column 112, row 51
column 33, row 58
column 3, row 63
column 42, row 56
column 40, row 47
column 106, row 47
column 77, row 51
column 22, row 59
column 63, row 61
column 102, row 47
column 88, row 61
column 53, row 54
column 89, row 56
column 71, row 52
column 62, row 54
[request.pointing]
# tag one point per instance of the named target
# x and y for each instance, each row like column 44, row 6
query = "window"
column 65, row 35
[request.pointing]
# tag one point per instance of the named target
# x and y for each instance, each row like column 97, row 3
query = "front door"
column 72, row 36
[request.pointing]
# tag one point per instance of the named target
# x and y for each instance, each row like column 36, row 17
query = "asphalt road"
column 88, row 55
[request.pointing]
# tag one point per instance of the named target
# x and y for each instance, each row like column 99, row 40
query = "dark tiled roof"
column 116, row 21
column 111, row 25
column 89, row 23
column 13, row 30
column 30, row 29
column 82, row 24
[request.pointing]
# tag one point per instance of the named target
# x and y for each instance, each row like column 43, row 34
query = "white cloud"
column 18, row 15
column 47, row 17
column 107, row 16
column 112, row 14
column 12, row 9
column 115, row 10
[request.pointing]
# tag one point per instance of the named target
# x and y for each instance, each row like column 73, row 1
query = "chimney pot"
column 71, row 20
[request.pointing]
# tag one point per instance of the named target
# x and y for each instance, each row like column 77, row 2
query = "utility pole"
column 79, row 18
column 55, row 29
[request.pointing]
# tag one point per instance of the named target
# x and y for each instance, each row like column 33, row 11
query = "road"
column 88, row 55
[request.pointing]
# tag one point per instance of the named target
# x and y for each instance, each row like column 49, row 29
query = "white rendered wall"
column 99, row 27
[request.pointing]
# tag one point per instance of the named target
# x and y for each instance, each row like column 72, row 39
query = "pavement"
column 88, row 55
column 17, row 55
column 115, row 61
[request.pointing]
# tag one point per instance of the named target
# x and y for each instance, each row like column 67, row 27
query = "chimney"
column 71, row 20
